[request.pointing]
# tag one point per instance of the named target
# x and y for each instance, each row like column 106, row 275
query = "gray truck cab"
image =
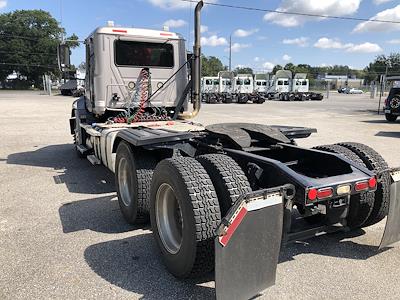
column 115, row 56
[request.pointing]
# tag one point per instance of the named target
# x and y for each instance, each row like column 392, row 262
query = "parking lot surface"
column 62, row 235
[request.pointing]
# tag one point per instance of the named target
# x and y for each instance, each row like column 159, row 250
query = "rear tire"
column 361, row 205
column 133, row 174
column 227, row 177
column 182, row 193
column 390, row 117
column 374, row 162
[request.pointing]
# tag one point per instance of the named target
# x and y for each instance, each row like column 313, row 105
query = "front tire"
column 184, row 216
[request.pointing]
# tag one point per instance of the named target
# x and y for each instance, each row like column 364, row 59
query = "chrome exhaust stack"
column 196, row 67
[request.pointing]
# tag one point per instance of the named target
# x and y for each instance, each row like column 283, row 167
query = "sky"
column 260, row 40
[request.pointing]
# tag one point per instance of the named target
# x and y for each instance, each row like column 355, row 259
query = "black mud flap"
column 248, row 243
column 392, row 228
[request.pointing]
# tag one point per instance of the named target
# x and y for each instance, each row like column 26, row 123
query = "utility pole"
column 230, row 53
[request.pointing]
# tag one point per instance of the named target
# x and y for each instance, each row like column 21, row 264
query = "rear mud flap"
column 392, row 228
column 248, row 243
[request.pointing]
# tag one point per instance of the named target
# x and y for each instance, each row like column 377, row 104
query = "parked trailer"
column 218, row 197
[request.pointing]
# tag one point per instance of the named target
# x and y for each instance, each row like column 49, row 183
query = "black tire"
column 198, row 210
column 227, row 177
column 374, row 162
column 390, row 118
column 361, row 205
column 134, row 193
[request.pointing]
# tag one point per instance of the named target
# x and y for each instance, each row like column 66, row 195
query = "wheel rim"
column 169, row 218
column 124, row 182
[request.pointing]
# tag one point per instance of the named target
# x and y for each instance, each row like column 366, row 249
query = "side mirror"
column 63, row 54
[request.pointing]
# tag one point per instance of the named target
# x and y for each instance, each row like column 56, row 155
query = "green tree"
column 211, row 65
column 381, row 64
column 276, row 68
column 28, row 44
column 243, row 70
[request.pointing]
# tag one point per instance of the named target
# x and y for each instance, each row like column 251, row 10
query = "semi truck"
column 210, row 87
column 285, row 87
column 218, row 197
column 228, row 88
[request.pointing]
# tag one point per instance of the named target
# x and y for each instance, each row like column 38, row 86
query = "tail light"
column 324, row 193
column 387, row 102
column 361, row 186
column 372, row 183
column 312, row 194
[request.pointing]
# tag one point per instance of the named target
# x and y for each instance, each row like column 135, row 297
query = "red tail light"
column 324, row 193
column 361, row 186
column 372, row 182
column 387, row 102
column 120, row 31
column 312, row 194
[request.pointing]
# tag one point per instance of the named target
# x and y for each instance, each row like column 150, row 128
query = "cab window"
column 143, row 54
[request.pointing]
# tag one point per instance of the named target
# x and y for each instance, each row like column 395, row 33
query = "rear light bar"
column 314, row 194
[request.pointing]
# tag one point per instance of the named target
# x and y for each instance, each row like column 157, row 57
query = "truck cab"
column 301, row 83
column 244, row 84
column 116, row 55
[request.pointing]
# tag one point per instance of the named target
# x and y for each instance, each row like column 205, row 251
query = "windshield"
column 239, row 82
column 247, row 82
column 142, row 54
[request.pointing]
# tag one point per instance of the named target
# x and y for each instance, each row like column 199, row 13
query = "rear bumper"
column 391, row 111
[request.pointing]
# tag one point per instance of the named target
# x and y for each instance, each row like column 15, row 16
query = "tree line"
column 382, row 64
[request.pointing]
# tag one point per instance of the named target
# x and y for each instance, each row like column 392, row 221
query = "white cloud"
column 301, row 41
column 244, row 33
column 257, row 59
column 392, row 14
column 3, row 3
column 326, row 43
column 213, row 41
column 175, row 23
column 236, row 47
column 318, row 7
column 365, row 48
column 286, row 57
column 203, row 28
column 394, row 42
column 268, row 66
column 262, row 38
column 378, row 2
column 173, row 4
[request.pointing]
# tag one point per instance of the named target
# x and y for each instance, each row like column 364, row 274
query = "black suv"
column 392, row 105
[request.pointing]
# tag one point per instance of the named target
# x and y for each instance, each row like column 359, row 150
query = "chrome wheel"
column 124, row 182
column 168, row 218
